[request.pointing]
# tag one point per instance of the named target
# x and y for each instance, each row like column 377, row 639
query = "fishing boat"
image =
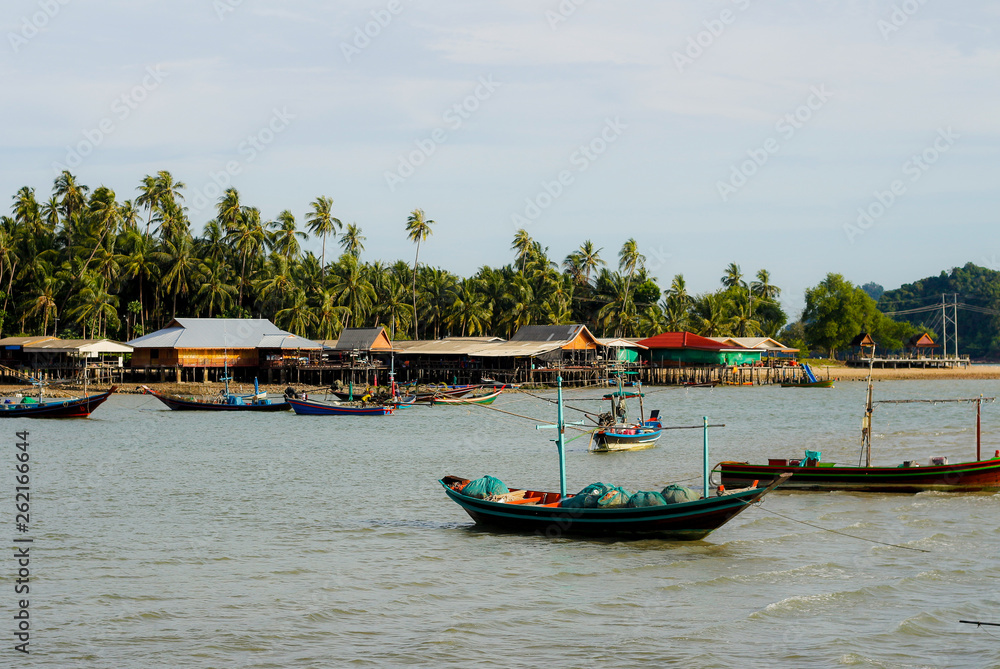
column 432, row 393
column 617, row 434
column 542, row 513
column 74, row 407
column 810, row 382
column 309, row 407
column 224, row 401
column 907, row 477
column 489, row 382
column 488, row 398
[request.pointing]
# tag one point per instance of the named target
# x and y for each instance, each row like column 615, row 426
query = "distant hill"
column 978, row 290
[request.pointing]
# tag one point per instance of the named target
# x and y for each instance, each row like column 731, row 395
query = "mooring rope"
column 843, row 534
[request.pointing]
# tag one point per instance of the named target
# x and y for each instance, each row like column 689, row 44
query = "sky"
column 803, row 137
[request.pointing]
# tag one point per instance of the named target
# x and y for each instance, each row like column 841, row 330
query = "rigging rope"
column 844, row 534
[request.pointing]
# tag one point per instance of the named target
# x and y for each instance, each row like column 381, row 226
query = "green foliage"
column 88, row 263
column 837, row 311
column 978, row 287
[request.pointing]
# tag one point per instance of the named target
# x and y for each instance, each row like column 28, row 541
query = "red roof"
column 680, row 340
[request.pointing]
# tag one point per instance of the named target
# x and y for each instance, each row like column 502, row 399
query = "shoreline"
column 838, row 374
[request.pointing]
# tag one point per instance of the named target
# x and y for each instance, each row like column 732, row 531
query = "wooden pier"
column 911, row 361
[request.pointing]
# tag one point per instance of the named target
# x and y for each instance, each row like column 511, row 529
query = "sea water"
column 187, row 539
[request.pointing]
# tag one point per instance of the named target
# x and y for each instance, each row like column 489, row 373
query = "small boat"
column 807, row 384
column 980, row 475
column 909, row 477
column 541, row 513
column 700, row 384
column 309, row 407
column 617, row 434
column 628, row 437
column 432, row 393
column 475, row 399
column 73, row 407
column 224, row 401
column 488, row 382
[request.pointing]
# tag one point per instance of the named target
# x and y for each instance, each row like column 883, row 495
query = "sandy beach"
column 860, row 374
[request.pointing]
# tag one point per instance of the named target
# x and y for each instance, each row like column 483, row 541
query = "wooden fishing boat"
column 628, row 437
column 489, row 382
column 908, row 477
column 74, row 407
column 539, row 512
column 622, row 435
column 224, row 401
column 319, row 408
column 981, row 475
column 476, row 399
column 700, row 384
column 431, row 393
column 828, row 383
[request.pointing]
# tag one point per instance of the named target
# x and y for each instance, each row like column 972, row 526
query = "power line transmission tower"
column 947, row 320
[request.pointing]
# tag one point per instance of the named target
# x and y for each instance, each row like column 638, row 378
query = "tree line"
column 84, row 263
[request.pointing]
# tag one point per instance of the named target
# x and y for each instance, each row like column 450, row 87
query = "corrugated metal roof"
column 21, row 341
column 287, row 341
column 548, row 333
column 361, row 339
column 476, row 347
column 225, row 333
column 620, row 343
column 79, row 346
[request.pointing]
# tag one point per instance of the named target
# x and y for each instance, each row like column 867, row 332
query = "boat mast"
column 866, row 422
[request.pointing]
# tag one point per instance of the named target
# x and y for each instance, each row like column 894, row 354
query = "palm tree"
column 352, row 241
column 44, row 301
column 763, row 288
column 351, row 288
column 733, row 277
column 523, row 244
column 741, row 323
column 328, row 314
column 418, row 229
column 214, row 291
column 247, row 237
column 287, row 236
column 629, row 259
column 73, row 195
column 298, row 318
column 181, row 266
column 590, row 258
column 468, row 310
column 393, row 307
column 322, row 223
column 709, row 315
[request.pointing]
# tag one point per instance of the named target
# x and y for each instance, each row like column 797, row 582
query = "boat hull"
column 429, row 397
column 79, row 407
column 808, row 384
column 982, row 475
column 607, row 441
column 685, row 521
column 482, row 399
column 179, row 404
column 314, row 408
